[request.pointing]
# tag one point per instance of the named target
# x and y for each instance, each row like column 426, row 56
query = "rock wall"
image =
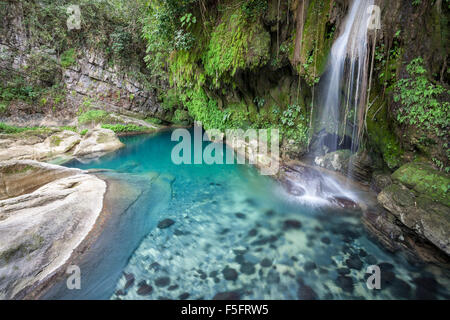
column 90, row 81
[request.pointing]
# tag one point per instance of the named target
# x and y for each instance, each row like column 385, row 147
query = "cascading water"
column 343, row 91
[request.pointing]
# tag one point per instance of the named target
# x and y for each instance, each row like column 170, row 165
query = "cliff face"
column 237, row 65
column 46, row 80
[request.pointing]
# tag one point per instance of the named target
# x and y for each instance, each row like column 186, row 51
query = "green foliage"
column 83, row 132
column 235, row 44
column 69, row 128
column 19, row 89
column 153, row 120
column 424, row 104
column 125, row 128
column 94, row 116
column 181, row 117
column 204, row 109
column 254, row 8
column 316, row 41
column 294, row 124
column 68, row 58
column 166, row 29
column 171, row 99
column 4, row 128
column 3, row 107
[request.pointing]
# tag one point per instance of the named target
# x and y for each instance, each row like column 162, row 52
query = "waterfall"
column 343, row 89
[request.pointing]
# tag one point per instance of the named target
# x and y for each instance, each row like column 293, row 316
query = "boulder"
column 20, row 177
column 424, row 179
column 40, row 229
column 45, row 146
column 336, row 161
column 97, row 142
column 427, row 218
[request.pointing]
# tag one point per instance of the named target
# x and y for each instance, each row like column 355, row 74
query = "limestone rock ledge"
column 40, row 229
column 66, row 144
column 418, row 200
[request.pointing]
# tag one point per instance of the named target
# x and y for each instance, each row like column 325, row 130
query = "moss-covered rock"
column 424, row 179
column 317, row 40
column 427, row 218
column 236, row 43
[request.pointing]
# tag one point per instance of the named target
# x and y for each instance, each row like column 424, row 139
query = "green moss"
column 22, row 249
column 236, row 43
column 68, row 58
column 19, row 168
column 55, row 141
column 425, row 180
column 381, row 138
column 316, row 43
column 123, row 128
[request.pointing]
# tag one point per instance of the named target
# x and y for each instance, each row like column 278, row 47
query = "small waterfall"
column 343, row 90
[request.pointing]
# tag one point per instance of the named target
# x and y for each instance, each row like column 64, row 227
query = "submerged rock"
column 144, row 289
column 354, row 262
column 184, row 296
column 291, row 224
column 309, row 266
column 228, row 295
column 266, row 263
column 306, row 293
column 230, row 274
column 345, row 283
column 162, row 282
column 166, row 223
column 129, row 280
column 248, row 268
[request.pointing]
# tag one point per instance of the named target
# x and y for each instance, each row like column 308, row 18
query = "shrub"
column 68, row 58
column 424, row 103
column 95, row 116
column 122, row 128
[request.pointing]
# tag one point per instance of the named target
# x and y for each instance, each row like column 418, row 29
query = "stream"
column 235, row 234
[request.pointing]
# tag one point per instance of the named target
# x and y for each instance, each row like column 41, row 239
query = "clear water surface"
column 237, row 234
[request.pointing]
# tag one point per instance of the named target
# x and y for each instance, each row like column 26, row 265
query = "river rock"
column 166, row 223
column 336, row 161
column 162, row 282
column 64, row 205
column 292, row 224
column 53, row 144
column 230, row 274
column 427, row 218
column 144, row 289
column 228, row 295
column 97, row 142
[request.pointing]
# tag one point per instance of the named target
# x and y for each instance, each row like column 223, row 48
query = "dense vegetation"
column 245, row 64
